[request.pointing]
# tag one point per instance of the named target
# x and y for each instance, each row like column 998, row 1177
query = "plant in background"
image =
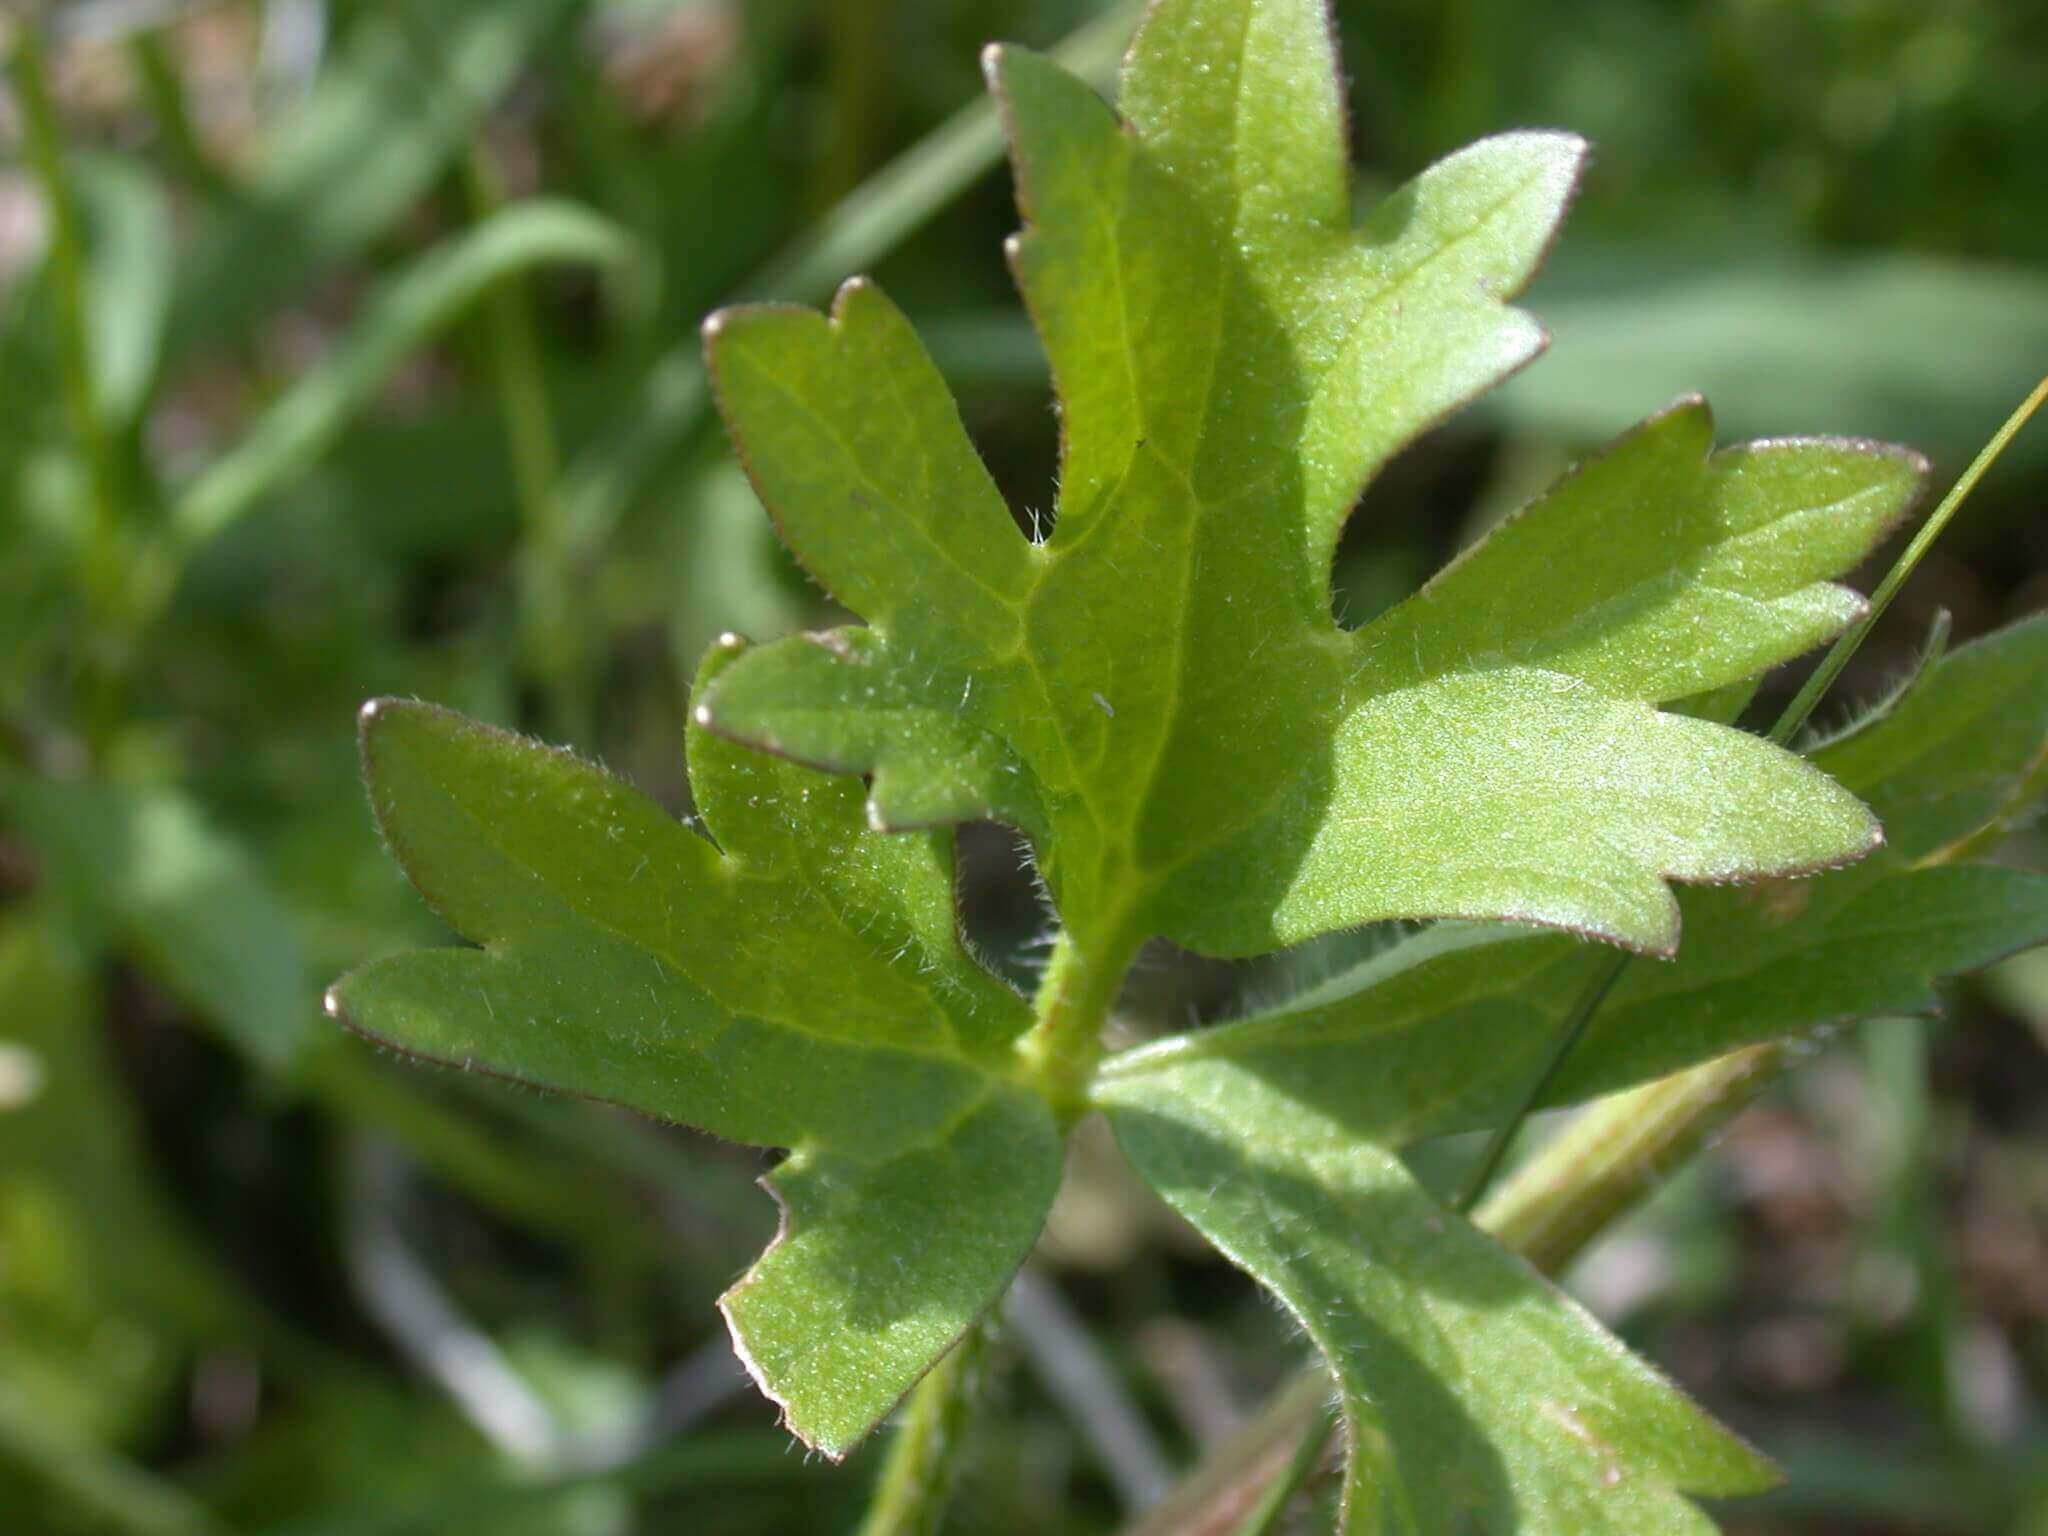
column 1156, row 695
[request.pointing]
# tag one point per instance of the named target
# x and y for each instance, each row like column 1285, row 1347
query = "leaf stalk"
column 924, row 1460
column 554, row 633
column 1063, row 1047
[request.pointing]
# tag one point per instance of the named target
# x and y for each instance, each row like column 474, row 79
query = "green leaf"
column 407, row 89
column 145, row 868
column 1478, row 1397
column 798, row 983
column 670, row 400
column 104, row 1290
column 128, row 281
column 399, row 317
column 1277, row 1135
column 1157, row 692
column 1442, row 1032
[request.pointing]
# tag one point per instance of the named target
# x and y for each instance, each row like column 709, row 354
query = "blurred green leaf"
column 403, row 314
column 1916, row 348
column 101, row 1292
column 128, row 281
column 145, row 869
column 87, row 1482
column 411, row 84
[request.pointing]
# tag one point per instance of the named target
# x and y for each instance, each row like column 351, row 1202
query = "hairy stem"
column 1271, row 1508
column 1058, row 1055
column 924, row 1458
column 1616, row 1152
column 1230, row 1486
column 1064, row 1044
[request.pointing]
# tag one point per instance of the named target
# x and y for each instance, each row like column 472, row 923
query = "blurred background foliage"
column 349, row 347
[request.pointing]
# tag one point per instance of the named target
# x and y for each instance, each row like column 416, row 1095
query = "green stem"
column 856, row 32
column 1615, row 1152
column 1588, row 1004
column 42, row 145
column 552, row 639
column 925, row 1456
column 1800, row 710
column 1265, row 1515
column 111, row 1493
column 1058, row 1054
column 1064, row 1044
column 164, row 88
column 1230, row 1485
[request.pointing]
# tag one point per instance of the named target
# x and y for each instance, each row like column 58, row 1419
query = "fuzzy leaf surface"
column 797, row 983
column 1157, row 692
column 1478, row 1397
column 1441, row 1032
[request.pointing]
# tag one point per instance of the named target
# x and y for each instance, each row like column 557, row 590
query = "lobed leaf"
column 1479, row 1398
column 1156, row 692
column 799, row 983
column 1442, row 1032
column 1477, row 1395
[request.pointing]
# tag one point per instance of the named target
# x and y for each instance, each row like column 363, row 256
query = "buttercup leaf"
column 1441, row 1032
column 1474, row 1392
column 799, row 983
column 1157, row 692
column 1476, row 1395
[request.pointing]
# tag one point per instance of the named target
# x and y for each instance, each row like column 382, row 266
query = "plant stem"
column 1265, row 1515
column 924, row 1457
column 1800, row 710
column 1615, row 1152
column 163, row 86
column 1588, row 1004
column 1230, row 1485
column 42, row 146
column 1058, row 1055
column 1060, row 1051
column 112, row 1493
column 552, row 639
